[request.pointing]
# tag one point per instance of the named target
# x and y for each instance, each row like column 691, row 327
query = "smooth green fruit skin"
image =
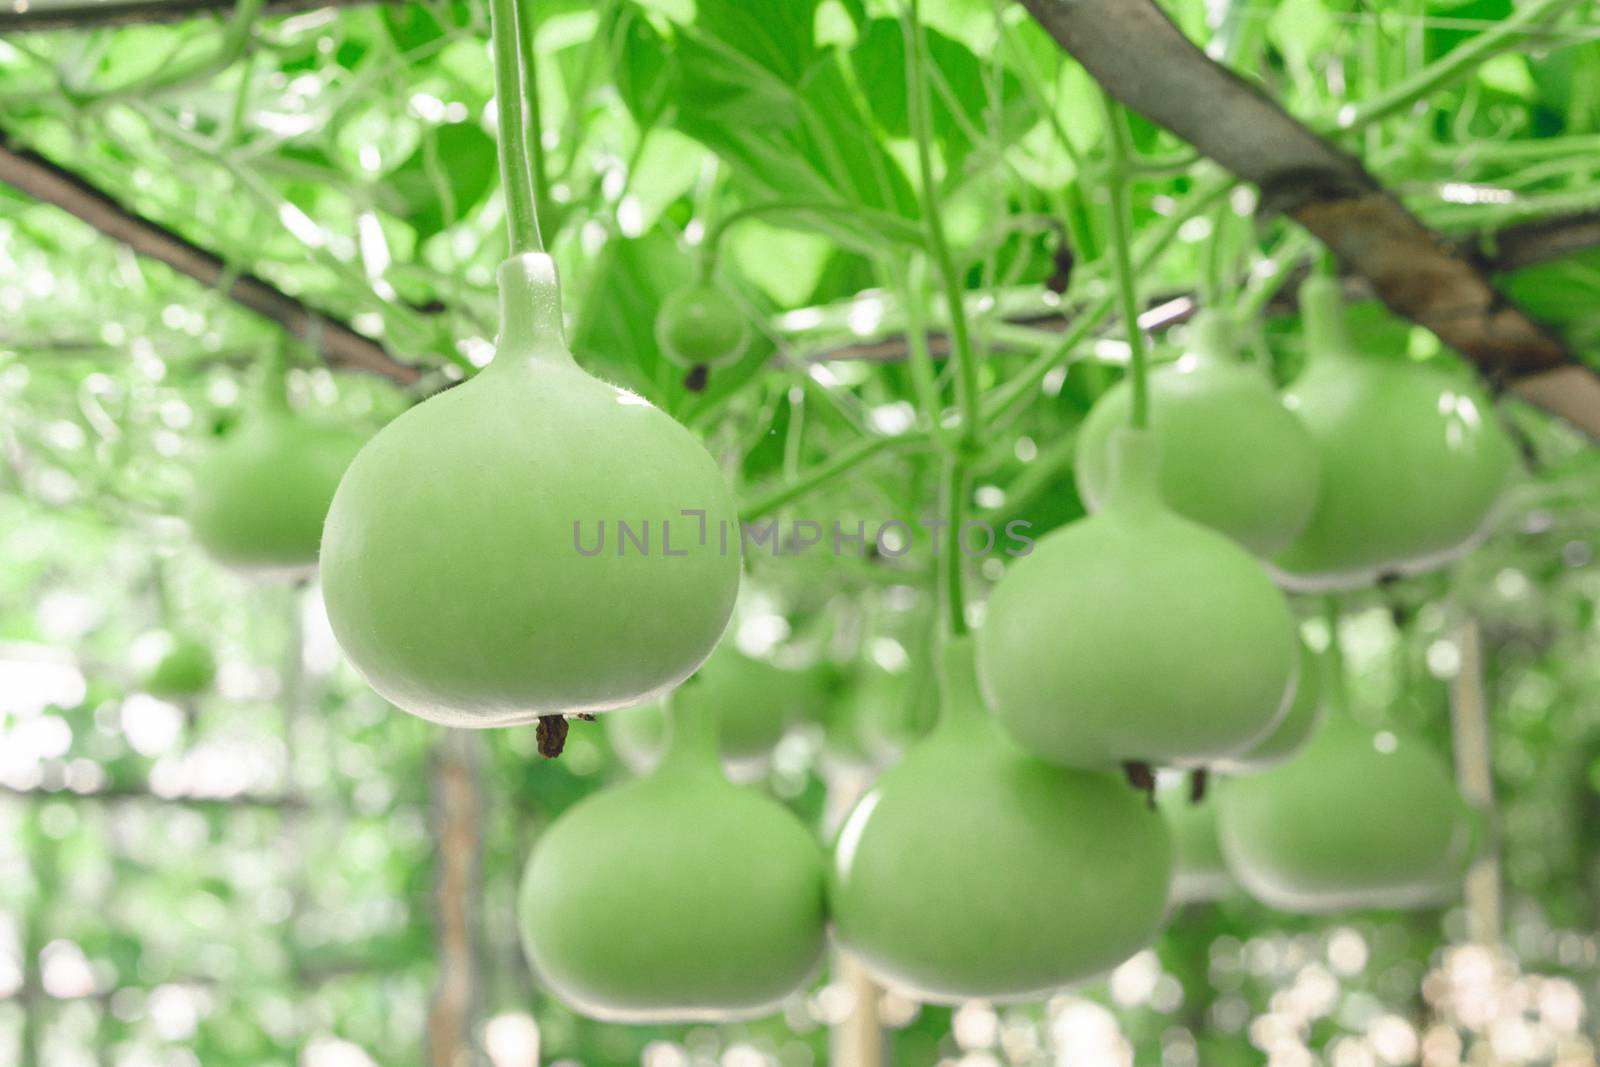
column 451, row 566
column 673, row 898
column 1135, row 634
column 261, row 495
column 1413, row 462
column 1346, row 824
column 1232, row 456
column 752, row 702
column 1199, row 871
column 186, row 670
column 1296, row 728
column 700, row 325
column 972, row 869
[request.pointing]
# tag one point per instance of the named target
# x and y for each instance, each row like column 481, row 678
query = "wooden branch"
column 137, row 794
column 89, row 15
column 1143, row 60
column 340, row 344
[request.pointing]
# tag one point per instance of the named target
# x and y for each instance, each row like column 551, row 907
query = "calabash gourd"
column 1199, row 872
column 475, row 566
column 1412, row 460
column 752, row 703
column 1364, row 817
column 1293, row 731
column 972, row 869
column 675, row 897
column 1136, row 635
column 262, row 493
column 699, row 326
column 1232, row 456
column 185, row 670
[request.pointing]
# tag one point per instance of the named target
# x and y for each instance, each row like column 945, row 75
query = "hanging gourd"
column 1136, row 635
column 675, row 897
column 1232, row 456
column 701, row 326
column 751, row 702
column 1293, row 731
column 1199, row 872
column 262, row 493
column 534, row 542
column 184, row 670
column 1363, row 817
column 1413, row 460
column 972, row 869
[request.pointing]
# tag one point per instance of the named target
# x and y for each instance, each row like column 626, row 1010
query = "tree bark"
column 339, row 343
column 1144, row 61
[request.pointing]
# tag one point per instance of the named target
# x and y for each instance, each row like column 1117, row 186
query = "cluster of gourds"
column 1004, row 855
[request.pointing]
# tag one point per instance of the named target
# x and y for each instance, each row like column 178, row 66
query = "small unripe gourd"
column 186, row 669
column 1413, row 460
column 1136, row 635
column 1363, row 817
column 262, row 493
column 699, row 326
column 675, row 897
column 1232, row 456
column 972, row 869
column 1293, row 731
column 475, row 565
column 751, row 702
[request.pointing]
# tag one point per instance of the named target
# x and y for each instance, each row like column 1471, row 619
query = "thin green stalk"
column 1502, row 36
column 967, row 397
column 235, row 39
column 516, row 168
column 887, row 225
column 955, row 488
column 1127, row 287
column 529, row 56
column 924, row 381
column 1334, row 667
column 822, row 473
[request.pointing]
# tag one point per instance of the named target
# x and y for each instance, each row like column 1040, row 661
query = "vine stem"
column 1127, row 287
column 528, row 56
column 955, row 514
column 967, row 396
column 516, row 166
column 1500, row 37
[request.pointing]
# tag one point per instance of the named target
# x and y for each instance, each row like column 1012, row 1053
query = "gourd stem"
column 529, row 57
column 275, row 377
column 1127, row 287
column 1334, row 677
column 1211, row 334
column 955, row 513
column 959, row 698
column 691, row 735
column 966, row 364
column 516, row 169
column 1322, row 310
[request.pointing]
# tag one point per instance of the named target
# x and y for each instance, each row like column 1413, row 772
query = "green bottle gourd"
column 1293, row 731
column 1137, row 635
column 699, row 326
column 751, row 702
column 1232, row 456
column 676, row 897
column 185, row 670
column 1363, row 817
column 1413, row 460
column 474, row 564
column 262, row 493
column 972, row 869
column 1199, row 872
